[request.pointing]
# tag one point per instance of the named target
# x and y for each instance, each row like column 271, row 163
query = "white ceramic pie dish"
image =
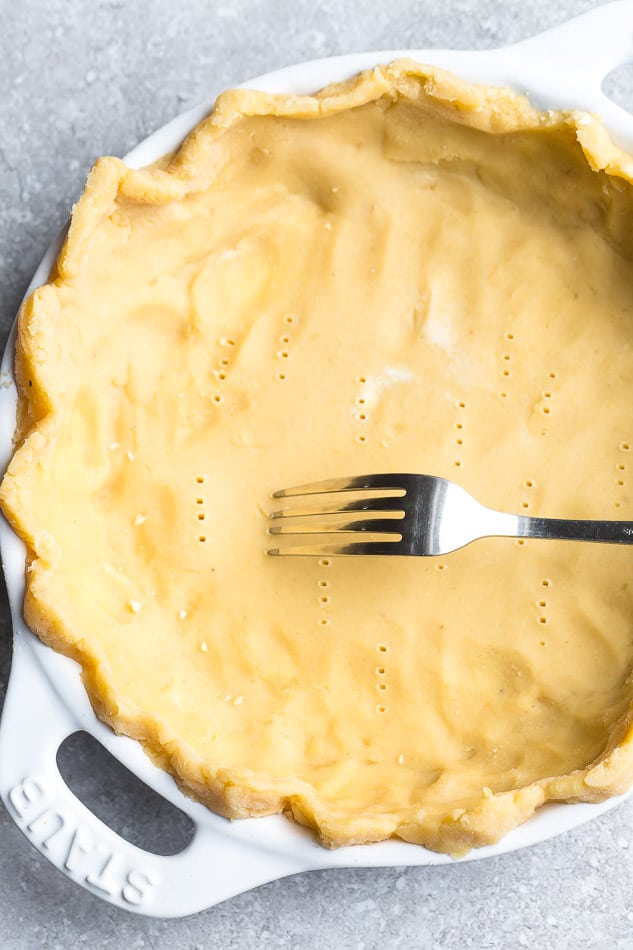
column 46, row 702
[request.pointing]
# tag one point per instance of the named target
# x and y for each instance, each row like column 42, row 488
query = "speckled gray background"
column 81, row 78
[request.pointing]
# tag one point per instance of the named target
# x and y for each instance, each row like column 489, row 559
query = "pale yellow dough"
column 402, row 273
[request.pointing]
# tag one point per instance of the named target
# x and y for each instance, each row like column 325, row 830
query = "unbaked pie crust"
column 401, row 273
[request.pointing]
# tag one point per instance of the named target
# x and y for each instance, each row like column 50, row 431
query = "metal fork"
column 410, row 515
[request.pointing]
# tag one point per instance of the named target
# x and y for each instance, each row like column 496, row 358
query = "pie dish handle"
column 576, row 56
column 213, row 867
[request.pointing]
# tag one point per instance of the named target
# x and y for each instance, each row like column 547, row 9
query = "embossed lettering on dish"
column 57, row 831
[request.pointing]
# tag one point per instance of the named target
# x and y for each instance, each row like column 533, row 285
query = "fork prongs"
column 387, row 505
column 370, row 523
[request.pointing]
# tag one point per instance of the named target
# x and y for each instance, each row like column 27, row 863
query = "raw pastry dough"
column 402, row 273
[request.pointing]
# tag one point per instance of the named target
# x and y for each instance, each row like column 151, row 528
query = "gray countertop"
column 81, row 78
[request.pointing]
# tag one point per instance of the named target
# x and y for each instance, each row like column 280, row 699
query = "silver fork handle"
column 564, row 529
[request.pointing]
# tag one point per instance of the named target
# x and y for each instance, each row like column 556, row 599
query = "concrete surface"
column 80, row 78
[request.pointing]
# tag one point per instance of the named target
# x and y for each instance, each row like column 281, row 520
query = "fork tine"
column 355, row 483
column 309, row 549
column 378, row 504
column 367, row 525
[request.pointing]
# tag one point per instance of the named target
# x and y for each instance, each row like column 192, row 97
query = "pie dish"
column 561, row 69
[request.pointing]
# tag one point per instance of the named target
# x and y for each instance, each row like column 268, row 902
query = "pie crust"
column 401, row 273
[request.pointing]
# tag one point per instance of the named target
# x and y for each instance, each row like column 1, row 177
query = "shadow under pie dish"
column 401, row 273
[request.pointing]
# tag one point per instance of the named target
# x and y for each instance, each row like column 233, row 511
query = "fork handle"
column 563, row 529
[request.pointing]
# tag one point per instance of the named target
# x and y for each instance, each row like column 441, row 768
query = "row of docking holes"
column 284, row 353
column 324, row 596
column 620, row 469
column 542, row 605
column 381, row 672
column 220, row 371
column 361, row 410
column 200, row 508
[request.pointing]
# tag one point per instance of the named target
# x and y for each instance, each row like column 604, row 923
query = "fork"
column 410, row 515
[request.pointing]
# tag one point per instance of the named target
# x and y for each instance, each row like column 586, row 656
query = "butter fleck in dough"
column 402, row 273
